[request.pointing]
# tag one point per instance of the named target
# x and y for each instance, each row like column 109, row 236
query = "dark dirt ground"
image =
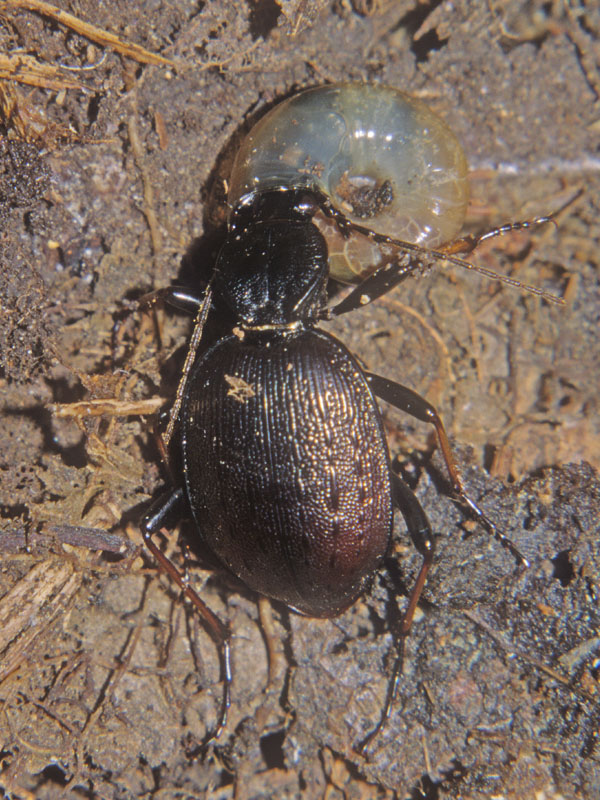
column 107, row 681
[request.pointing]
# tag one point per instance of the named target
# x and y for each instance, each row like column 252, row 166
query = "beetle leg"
column 379, row 283
column 152, row 522
column 412, row 403
column 411, row 259
column 466, row 244
column 420, row 533
column 414, row 257
column 175, row 296
column 419, row 530
column 166, row 505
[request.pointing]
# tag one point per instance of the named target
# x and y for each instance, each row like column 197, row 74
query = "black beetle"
column 286, row 466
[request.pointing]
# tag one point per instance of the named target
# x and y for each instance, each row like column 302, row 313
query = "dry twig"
column 91, row 32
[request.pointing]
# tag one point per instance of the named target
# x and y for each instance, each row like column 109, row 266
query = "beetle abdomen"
column 287, row 467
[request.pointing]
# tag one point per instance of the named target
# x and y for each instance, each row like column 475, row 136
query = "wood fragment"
column 31, row 606
column 20, row 113
column 90, row 31
column 91, row 538
column 109, row 407
column 27, row 69
column 147, row 182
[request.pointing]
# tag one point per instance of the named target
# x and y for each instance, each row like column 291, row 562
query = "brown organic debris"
column 109, row 407
column 27, row 69
column 31, row 605
column 90, row 31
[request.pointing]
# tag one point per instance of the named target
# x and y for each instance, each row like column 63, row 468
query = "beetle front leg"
column 412, row 403
column 153, row 521
column 420, row 532
column 466, row 244
column 379, row 283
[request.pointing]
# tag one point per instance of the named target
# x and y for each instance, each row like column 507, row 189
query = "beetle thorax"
column 273, row 268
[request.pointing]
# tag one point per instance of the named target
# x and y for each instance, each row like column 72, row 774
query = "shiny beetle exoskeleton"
column 285, row 463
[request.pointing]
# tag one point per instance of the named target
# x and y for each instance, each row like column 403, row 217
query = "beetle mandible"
column 286, row 466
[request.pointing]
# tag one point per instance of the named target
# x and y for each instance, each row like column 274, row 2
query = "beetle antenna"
column 468, row 243
column 496, row 276
column 442, row 255
column 199, row 323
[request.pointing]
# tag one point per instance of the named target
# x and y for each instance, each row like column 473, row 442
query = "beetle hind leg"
column 412, row 403
column 419, row 530
column 154, row 520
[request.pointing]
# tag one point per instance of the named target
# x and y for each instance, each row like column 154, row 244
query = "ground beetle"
column 285, row 463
